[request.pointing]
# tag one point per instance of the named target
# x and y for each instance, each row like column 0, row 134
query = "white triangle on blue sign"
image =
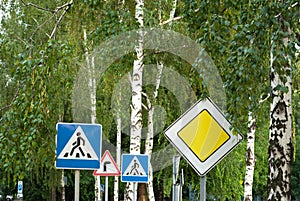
column 135, row 169
column 78, row 147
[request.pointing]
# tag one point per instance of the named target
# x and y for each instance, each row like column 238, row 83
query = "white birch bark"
column 92, row 89
column 173, row 10
column 149, row 139
column 121, row 4
column 280, row 137
column 250, row 158
column 136, row 103
column 118, row 150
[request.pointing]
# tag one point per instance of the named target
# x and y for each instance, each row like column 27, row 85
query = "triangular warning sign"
column 108, row 166
column 135, row 168
column 78, row 147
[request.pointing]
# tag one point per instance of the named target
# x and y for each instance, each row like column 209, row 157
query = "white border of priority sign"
column 202, row 167
column 78, row 146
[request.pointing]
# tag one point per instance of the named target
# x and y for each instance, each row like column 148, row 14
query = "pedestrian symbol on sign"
column 77, row 144
column 135, row 168
column 78, row 147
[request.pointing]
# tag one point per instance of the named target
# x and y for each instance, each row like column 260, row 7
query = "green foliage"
column 295, row 179
column 37, row 75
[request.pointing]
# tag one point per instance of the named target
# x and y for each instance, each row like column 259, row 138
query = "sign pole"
column 106, row 188
column 134, row 191
column 63, row 192
column 203, row 188
column 176, row 162
column 77, row 180
column 99, row 187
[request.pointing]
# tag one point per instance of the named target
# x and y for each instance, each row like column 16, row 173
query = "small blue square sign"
column 78, row 146
column 135, row 168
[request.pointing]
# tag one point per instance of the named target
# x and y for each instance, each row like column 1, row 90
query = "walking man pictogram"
column 77, row 144
column 134, row 170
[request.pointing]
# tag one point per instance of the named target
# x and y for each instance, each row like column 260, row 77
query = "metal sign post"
column 77, row 186
column 78, row 147
column 203, row 188
column 176, row 162
column 99, row 188
column 63, row 192
column 106, row 188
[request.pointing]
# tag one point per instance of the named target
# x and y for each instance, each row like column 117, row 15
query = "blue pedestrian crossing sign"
column 78, row 146
column 135, row 168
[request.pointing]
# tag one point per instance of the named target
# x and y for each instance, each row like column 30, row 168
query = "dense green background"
column 37, row 74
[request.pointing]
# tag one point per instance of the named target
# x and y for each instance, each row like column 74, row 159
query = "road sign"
column 78, row 146
column 102, row 188
column 20, row 187
column 135, row 168
column 108, row 166
column 202, row 135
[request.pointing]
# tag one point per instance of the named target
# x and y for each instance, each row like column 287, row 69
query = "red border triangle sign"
column 108, row 166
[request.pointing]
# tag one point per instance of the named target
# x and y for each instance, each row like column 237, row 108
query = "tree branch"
column 38, row 7
column 172, row 18
column 14, row 98
column 148, row 102
column 67, row 7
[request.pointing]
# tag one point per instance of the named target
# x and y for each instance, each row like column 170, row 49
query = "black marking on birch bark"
column 272, row 76
column 249, row 156
column 252, row 126
column 277, row 156
column 136, row 77
column 279, row 120
column 141, row 66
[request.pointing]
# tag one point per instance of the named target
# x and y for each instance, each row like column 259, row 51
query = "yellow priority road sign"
column 202, row 135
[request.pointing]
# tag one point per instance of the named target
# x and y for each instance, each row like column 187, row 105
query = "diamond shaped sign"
column 202, row 135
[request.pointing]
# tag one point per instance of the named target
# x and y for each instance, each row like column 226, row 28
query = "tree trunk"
column 158, row 189
column 150, row 134
column 250, row 158
column 92, row 89
column 121, row 4
column 173, row 10
column 280, row 137
column 142, row 192
column 118, row 150
column 136, row 101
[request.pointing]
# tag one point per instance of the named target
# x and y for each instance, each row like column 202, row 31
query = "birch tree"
column 280, row 138
column 150, row 133
column 90, row 65
column 282, row 54
column 136, row 87
column 250, row 157
column 118, row 151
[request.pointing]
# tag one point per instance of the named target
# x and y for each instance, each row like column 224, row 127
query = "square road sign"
column 135, row 168
column 78, row 146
